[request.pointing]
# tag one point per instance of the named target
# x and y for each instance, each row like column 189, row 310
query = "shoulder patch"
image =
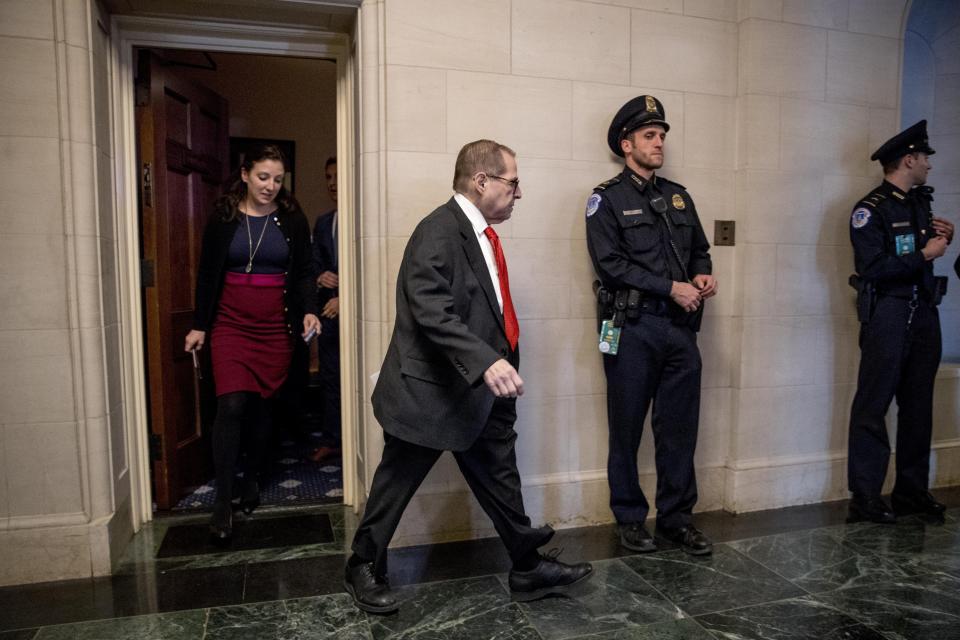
column 608, row 183
column 860, row 217
column 593, row 203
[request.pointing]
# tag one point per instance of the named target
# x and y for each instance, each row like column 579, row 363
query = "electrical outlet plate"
column 724, row 233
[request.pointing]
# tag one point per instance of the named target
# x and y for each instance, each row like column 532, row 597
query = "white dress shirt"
column 479, row 226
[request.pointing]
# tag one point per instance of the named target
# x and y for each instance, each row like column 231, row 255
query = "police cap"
column 638, row 112
column 910, row 140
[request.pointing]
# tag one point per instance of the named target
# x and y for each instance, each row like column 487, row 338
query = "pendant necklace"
column 252, row 251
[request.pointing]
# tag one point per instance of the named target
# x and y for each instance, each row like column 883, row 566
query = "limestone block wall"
column 546, row 78
column 62, row 451
column 819, row 91
column 776, row 106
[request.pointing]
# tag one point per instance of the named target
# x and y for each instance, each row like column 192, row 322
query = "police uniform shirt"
column 628, row 239
column 888, row 229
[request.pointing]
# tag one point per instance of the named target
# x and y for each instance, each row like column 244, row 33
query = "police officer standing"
column 652, row 257
column 895, row 240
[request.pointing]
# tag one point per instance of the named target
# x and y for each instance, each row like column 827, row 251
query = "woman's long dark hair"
column 227, row 206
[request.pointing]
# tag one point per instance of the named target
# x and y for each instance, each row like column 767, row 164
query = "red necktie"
column 509, row 315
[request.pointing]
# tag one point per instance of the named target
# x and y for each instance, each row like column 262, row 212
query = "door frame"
column 128, row 32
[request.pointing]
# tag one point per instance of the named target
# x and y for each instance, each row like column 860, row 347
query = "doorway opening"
column 198, row 113
column 311, row 34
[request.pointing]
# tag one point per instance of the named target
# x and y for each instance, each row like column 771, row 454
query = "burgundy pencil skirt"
column 250, row 345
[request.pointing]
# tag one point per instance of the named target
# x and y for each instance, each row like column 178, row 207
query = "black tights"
column 239, row 413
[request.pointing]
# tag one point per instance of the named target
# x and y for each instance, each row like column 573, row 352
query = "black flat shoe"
column 370, row 593
column 921, row 503
column 549, row 577
column 250, row 496
column 221, row 523
column 873, row 509
column 635, row 537
column 690, row 539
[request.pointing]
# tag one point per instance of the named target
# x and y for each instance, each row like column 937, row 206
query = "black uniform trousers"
column 660, row 362
column 896, row 360
column 490, row 468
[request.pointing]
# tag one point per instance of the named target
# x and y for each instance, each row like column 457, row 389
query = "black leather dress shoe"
column 370, row 593
column 221, row 523
column 688, row 538
column 920, row 502
column 873, row 509
column 549, row 577
column 635, row 537
column 250, row 496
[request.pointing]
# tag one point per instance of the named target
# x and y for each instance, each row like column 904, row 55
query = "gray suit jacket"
column 448, row 331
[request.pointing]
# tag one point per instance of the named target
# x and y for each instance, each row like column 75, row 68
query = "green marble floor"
column 141, row 553
column 850, row 582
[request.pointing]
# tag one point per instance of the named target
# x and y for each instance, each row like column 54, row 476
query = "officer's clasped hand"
column 943, row 227
column 686, row 295
column 935, row 247
column 706, row 284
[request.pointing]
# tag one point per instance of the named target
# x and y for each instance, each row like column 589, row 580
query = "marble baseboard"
column 41, row 555
column 785, row 482
column 576, row 500
column 563, row 501
column 120, row 531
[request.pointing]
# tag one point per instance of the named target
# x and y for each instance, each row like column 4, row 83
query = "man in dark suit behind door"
column 326, row 263
column 449, row 382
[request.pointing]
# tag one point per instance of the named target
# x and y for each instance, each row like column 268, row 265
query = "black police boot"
column 688, row 538
column 872, row 509
column 635, row 537
column 920, row 502
column 549, row 577
column 370, row 593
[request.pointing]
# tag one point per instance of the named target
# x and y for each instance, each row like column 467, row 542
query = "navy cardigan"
column 300, row 291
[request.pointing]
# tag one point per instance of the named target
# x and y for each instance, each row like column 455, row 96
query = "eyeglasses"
column 514, row 184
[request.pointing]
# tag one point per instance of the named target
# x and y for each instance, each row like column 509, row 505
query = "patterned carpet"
column 293, row 478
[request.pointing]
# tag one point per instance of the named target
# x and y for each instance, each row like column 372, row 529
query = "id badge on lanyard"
column 905, row 244
column 609, row 338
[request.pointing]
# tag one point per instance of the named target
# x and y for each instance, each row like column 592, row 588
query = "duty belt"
column 655, row 306
column 627, row 304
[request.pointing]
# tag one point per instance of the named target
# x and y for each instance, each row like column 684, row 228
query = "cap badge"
column 651, row 104
column 678, row 202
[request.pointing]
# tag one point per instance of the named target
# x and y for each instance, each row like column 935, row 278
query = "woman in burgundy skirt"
column 255, row 296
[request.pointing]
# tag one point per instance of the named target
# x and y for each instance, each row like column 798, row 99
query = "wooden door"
column 183, row 143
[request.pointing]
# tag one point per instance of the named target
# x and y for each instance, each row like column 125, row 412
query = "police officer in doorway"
column 895, row 240
column 652, row 257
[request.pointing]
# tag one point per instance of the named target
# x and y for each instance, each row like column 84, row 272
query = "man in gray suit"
column 449, row 382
